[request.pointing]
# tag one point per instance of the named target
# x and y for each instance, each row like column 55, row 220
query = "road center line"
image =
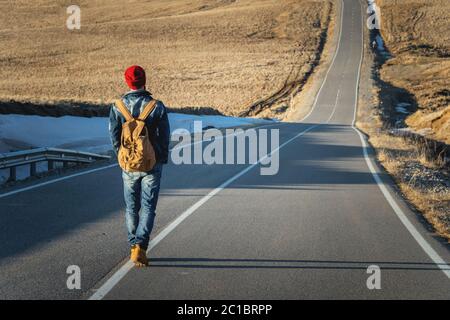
column 38, row 185
column 101, row 292
column 116, row 277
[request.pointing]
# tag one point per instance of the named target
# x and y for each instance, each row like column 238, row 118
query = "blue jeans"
column 141, row 190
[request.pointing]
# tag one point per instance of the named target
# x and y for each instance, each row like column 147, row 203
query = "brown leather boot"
column 134, row 255
column 142, row 260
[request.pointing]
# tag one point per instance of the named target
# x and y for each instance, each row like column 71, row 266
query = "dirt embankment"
column 217, row 55
column 392, row 93
column 417, row 34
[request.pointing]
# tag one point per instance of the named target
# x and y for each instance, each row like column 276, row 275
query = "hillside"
column 417, row 33
column 203, row 53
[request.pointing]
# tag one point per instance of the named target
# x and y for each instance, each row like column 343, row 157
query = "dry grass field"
column 222, row 54
column 417, row 32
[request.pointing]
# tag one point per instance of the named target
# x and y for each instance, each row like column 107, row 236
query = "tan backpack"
column 136, row 153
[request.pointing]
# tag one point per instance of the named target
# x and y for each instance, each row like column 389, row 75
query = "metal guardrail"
column 12, row 160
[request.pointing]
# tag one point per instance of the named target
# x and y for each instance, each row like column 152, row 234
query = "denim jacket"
column 157, row 122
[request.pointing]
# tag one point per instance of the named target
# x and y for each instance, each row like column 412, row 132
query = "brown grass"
column 202, row 53
column 423, row 180
column 412, row 170
column 417, row 32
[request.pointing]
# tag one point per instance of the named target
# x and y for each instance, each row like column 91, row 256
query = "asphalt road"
column 228, row 232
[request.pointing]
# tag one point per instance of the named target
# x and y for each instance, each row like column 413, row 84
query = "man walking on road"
column 141, row 156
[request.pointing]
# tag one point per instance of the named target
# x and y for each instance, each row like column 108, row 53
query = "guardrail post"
column 51, row 155
column 33, row 169
column 12, row 174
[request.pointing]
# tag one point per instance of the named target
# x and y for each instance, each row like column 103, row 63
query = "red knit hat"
column 135, row 77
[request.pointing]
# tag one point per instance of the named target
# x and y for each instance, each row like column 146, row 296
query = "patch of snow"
column 400, row 109
column 85, row 134
column 90, row 134
column 38, row 131
column 186, row 121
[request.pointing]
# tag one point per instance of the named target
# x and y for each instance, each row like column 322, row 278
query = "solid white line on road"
column 38, row 185
column 434, row 256
column 175, row 148
column 118, row 275
column 331, row 65
column 41, row 184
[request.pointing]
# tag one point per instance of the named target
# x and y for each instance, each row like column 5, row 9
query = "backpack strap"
column 123, row 110
column 147, row 110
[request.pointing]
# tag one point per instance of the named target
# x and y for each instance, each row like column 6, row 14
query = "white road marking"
column 116, row 277
column 114, row 165
column 335, row 105
column 41, row 184
column 434, row 256
column 2, row 195
column 331, row 65
column 101, row 292
column 38, row 185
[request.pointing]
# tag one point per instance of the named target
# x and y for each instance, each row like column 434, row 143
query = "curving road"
column 227, row 232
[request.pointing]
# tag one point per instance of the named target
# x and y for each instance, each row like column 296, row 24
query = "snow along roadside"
column 86, row 134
